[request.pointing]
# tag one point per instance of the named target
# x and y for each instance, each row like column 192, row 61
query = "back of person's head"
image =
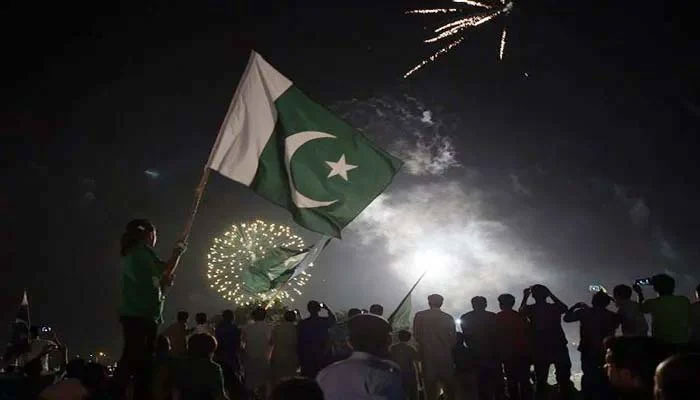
column 297, row 389
column 678, row 378
column 622, row 292
column 354, row 311
column 632, row 360
column 75, row 368
column 369, row 333
column 314, row 307
column 33, row 331
column 506, row 301
column 376, row 309
column 183, row 316
column 227, row 315
column 663, row 284
column 539, row 292
column 95, row 376
column 290, row 316
column 201, row 345
column 404, row 335
column 137, row 231
column 600, row 300
column 200, row 318
column 479, row 303
column 162, row 346
column 258, row 314
column 435, row 301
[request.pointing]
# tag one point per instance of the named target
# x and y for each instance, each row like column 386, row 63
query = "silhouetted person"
column 284, row 361
column 695, row 321
column 365, row 374
column 376, row 309
column 297, row 389
column 596, row 324
column 478, row 328
column 435, row 333
column 630, row 363
column 256, row 338
column 549, row 341
column 354, row 311
column 228, row 336
column 177, row 333
column 200, row 377
column 163, row 370
column 465, row 385
column 144, row 279
column 630, row 312
column 203, row 325
column 670, row 314
column 71, row 387
column 314, row 341
column 95, row 380
column 406, row 356
column 678, row 378
column 339, row 336
column 512, row 338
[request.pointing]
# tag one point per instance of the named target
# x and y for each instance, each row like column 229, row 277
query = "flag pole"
column 198, row 193
column 407, row 295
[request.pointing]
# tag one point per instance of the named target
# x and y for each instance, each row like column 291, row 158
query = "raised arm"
column 526, row 296
column 558, row 302
column 172, row 263
column 571, row 315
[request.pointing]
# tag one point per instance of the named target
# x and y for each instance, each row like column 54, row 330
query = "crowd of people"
column 481, row 355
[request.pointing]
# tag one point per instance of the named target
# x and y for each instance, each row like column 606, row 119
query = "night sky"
column 570, row 162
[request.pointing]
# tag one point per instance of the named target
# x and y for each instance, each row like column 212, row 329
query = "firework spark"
column 457, row 26
column 232, row 254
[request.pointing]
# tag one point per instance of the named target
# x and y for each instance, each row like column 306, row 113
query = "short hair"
column 435, row 300
column 201, row 318
column 479, row 302
column 622, row 291
column 258, row 314
column 539, row 292
column 638, row 354
column 404, row 335
column 201, row 345
column 369, row 333
column 290, row 316
column 663, row 284
column 376, row 309
column 227, row 315
column 600, row 299
column 354, row 311
column 506, row 300
column 297, row 389
column 183, row 316
column 677, row 377
column 313, row 306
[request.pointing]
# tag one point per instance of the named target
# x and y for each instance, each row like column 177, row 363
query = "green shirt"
column 670, row 318
column 141, row 292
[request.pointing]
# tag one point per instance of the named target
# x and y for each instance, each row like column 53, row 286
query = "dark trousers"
column 137, row 356
column 562, row 362
column 517, row 373
column 594, row 385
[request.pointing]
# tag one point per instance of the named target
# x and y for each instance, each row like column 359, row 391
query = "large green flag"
column 295, row 153
column 401, row 317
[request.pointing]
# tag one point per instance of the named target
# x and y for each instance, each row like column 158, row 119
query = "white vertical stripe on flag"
column 249, row 122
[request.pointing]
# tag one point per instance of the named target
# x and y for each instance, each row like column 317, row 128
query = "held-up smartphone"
column 643, row 282
column 596, row 288
column 323, row 305
column 45, row 329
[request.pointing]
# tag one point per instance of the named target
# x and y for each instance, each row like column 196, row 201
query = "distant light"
column 152, row 173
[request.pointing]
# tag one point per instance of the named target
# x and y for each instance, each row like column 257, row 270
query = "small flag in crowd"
column 296, row 154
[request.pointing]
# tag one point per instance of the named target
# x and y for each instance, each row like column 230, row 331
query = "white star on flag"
column 340, row 168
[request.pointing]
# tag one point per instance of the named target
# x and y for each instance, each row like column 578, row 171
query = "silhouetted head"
column 370, row 333
column 630, row 362
column 540, row 293
column 200, row 318
column 95, row 376
column 163, row 346
column 138, row 231
column 479, row 303
column 297, row 389
column 227, row 316
column 435, row 301
column 600, row 300
column 677, row 378
column 259, row 314
column 376, row 309
column 663, row 284
column 622, row 292
column 183, row 316
column 404, row 335
column 506, row 301
column 75, row 368
column 290, row 316
column 201, row 345
column 354, row 311
column 314, row 307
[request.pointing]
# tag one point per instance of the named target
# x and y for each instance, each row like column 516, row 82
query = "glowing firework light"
column 233, row 254
column 456, row 27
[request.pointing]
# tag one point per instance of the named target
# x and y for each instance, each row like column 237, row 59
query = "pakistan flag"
column 295, row 153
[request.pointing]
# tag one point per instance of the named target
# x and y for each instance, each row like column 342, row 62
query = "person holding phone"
column 313, row 345
column 670, row 314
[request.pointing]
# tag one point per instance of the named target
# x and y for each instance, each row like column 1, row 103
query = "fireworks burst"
column 233, row 254
column 457, row 26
